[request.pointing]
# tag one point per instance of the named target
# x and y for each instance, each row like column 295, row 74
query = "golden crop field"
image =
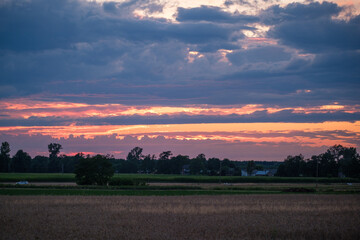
column 283, row 216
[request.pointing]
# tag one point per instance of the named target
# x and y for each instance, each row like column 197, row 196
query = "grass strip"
column 103, row 192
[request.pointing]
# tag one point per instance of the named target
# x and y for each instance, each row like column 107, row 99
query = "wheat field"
column 181, row 217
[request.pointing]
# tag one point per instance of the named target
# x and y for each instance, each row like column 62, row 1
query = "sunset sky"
column 237, row 79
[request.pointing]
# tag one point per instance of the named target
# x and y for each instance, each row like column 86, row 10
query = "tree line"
column 336, row 160
column 135, row 162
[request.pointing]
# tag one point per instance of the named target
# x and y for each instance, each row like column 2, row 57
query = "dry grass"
column 181, row 217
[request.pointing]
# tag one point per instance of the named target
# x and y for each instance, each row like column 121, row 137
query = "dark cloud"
column 214, row 46
column 332, row 74
column 319, row 35
column 267, row 54
column 40, row 25
column 127, row 7
column 212, row 14
column 37, row 25
column 100, row 53
column 78, row 41
column 299, row 12
column 311, row 28
column 346, row 63
column 258, row 116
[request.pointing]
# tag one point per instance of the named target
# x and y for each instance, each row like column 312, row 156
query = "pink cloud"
column 25, row 108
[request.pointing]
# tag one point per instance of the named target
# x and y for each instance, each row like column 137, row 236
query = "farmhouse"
column 258, row 173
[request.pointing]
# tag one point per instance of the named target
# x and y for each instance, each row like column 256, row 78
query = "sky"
column 238, row 79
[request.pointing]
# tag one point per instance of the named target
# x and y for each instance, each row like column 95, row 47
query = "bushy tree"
column 250, row 167
column 148, row 164
column 213, row 166
column 198, row 164
column 350, row 162
column 293, row 166
column 178, row 162
column 328, row 166
column 21, row 162
column 94, row 170
column 164, row 163
column 281, row 171
column 39, row 164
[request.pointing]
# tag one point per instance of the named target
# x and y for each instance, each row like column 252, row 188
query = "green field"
column 168, row 185
column 37, row 177
column 149, row 178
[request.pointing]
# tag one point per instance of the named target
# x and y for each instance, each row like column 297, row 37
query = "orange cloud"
column 24, row 108
column 229, row 132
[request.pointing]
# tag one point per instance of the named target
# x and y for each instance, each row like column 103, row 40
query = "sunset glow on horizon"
column 87, row 131
column 304, row 134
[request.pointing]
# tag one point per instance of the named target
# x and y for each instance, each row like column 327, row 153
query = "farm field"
column 296, row 216
column 169, row 185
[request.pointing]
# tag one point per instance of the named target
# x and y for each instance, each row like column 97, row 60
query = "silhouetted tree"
column 227, row 167
column 39, row 164
column 68, row 163
column 336, row 159
column 336, row 152
column 165, row 155
column 293, row 166
column 213, row 166
column 178, row 162
column 133, row 158
column 118, row 165
column 4, row 157
column 328, row 167
column 148, row 164
column 164, row 164
column 134, row 154
column 198, row 164
column 349, row 163
column 250, row 167
column 21, row 162
column 55, row 165
column 94, row 170
column 312, row 164
column 281, row 171
column 54, row 149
